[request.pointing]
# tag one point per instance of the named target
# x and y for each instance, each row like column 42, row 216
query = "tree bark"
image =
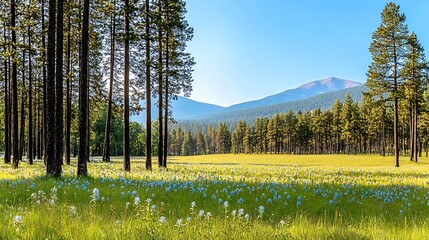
column 30, row 103
column 160, row 85
column 14, row 89
column 59, row 141
column 127, row 165
column 51, row 160
column 106, row 148
column 148, row 94
column 167, row 65
column 83, row 156
column 6, row 103
column 22, row 115
column 68, row 80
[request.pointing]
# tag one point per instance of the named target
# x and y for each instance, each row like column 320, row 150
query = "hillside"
column 307, row 90
column 322, row 101
column 188, row 109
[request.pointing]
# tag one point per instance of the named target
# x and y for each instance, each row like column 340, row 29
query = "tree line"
column 63, row 61
column 347, row 128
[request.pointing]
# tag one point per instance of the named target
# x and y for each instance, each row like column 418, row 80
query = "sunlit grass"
column 303, row 197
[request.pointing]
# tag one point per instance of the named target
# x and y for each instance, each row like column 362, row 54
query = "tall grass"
column 221, row 197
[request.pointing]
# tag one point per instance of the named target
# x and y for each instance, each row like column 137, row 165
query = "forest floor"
column 220, row 197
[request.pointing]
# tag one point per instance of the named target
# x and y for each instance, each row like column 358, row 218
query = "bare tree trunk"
column 6, row 103
column 22, row 115
column 167, row 65
column 160, row 103
column 45, row 87
column 83, row 94
column 51, row 160
column 148, row 95
column 30, row 103
column 59, row 141
column 14, row 89
column 127, row 165
column 68, row 80
column 106, row 148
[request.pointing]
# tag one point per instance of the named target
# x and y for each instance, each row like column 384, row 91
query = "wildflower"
column 153, row 208
column 17, row 220
column 282, row 222
column 225, row 204
column 240, row 212
column 148, row 200
column 247, row 216
column 201, row 213
column 233, row 212
column 179, row 222
column 72, row 210
column 188, row 219
column 261, row 210
column 163, row 219
column 209, row 214
column 136, row 201
column 95, row 195
column 193, row 205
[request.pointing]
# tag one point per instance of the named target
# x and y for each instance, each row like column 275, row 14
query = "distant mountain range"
column 315, row 94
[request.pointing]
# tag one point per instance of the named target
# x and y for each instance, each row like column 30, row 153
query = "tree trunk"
column 148, row 94
column 6, row 103
column 59, row 141
column 30, row 103
column 68, row 80
column 22, row 115
column 83, row 94
column 106, row 148
column 45, row 87
column 415, row 130
column 14, row 88
column 160, row 103
column 167, row 65
column 127, row 165
column 51, row 160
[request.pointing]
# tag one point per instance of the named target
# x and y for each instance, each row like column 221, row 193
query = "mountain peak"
column 331, row 84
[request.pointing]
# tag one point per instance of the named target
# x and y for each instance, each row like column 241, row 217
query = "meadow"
column 221, row 197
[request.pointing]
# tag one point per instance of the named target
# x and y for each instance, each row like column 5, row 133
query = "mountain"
column 187, row 109
column 323, row 101
column 307, row 90
column 183, row 108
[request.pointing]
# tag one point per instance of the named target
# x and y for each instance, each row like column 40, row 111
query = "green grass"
column 304, row 197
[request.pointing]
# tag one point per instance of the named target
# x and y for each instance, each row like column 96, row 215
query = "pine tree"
column 388, row 51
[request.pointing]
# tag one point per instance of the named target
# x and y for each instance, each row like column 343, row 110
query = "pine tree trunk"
column 106, row 148
column 83, row 94
column 22, row 115
column 127, row 166
column 415, row 130
column 411, row 140
column 148, row 94
column 14, row 90
column 6, row 104
column 160, row 103
column 45, row 87
column 30, row 103
column 68, row 90
column 59, row 141
column 51, row 160
column 167, row 73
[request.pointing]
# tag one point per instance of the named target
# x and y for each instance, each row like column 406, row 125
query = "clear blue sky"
column 248, row 49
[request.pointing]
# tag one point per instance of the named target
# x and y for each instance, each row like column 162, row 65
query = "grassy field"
column 221, row 197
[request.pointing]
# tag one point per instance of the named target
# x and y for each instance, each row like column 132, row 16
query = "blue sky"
column 248, row 49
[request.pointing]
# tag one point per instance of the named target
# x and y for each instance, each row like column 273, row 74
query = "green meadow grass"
column 268, row 196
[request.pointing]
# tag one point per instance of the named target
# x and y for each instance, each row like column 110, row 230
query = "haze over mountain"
column 187, row 109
